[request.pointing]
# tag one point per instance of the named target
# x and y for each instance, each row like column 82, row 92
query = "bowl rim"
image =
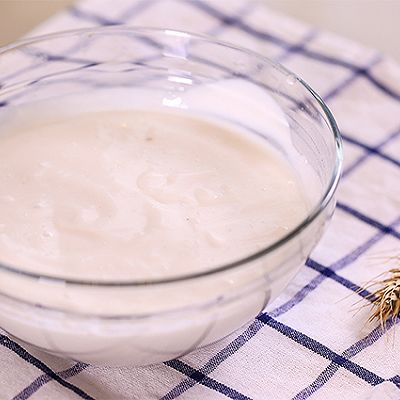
column 311, row 215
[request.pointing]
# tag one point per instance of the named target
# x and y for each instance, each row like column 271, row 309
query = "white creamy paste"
column 139, row 195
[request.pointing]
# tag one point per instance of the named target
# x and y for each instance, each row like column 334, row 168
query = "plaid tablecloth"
column 310, row 342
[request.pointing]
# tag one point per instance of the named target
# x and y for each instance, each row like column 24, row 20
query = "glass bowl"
column 151, row 321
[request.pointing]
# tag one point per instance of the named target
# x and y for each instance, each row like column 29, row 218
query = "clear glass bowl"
column 152, row 321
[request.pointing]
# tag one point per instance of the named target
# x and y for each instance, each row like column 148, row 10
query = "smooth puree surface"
column 140, row 194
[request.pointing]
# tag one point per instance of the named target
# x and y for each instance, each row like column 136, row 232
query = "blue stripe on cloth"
column 204, row 380
column 49, row 78
column 45, row 378
column 97, row 19
column 59, row 57
column 48, row 57
column 368, row 220
column 294, row 48
column 243, row 11
column 380, row 85
column 240, row 24
column 321, row 349
column 350, row 352
column 371, row 150
column 355, row 74
column 396, row 380
column 299, row 296
column 22, row 353
column 330, row 273
column 217, row 359
column 55, row 74
column 355, row 254
column 312, row 34
column 135, row 9
column 376, row 148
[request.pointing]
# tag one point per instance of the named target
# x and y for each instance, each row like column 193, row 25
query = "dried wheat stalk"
column 386, row 299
